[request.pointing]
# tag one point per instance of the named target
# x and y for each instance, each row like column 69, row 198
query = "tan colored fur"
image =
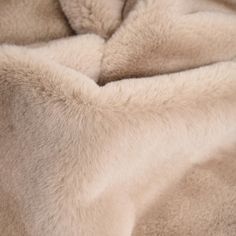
column 168, row 36
column 81, row 53
column 203, row 202
column 26, row 21
column 72, row 153
column 142, row 157
column 101, row 17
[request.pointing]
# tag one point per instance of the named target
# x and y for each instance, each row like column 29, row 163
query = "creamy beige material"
column 81, row 53
column 88, row 16
column 136, row 157
column 28, row 21
column 163, row 36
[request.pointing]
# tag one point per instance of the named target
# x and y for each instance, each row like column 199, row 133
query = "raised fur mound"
column 148, row 156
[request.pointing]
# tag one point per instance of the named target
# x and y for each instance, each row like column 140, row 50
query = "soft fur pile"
column 144, row 156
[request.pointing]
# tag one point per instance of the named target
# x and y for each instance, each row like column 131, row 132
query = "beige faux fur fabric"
column 168, row 36
column 179, row 35
column 78, row 159
column 202, row 203
column 75, row 53
column 30, row 21
column 88, row 16
column 136, row 157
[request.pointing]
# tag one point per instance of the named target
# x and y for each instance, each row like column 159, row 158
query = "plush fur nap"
column 25, row 21
column 136, row 157
column 167, row 36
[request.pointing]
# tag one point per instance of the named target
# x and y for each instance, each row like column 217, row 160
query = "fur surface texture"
column 81, row 53
column 88, row 16
column 59, row 131
column 25, row 22
column 168, row 36
column 136, row 157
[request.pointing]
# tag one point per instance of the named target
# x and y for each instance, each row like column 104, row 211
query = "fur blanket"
column 152, row 153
